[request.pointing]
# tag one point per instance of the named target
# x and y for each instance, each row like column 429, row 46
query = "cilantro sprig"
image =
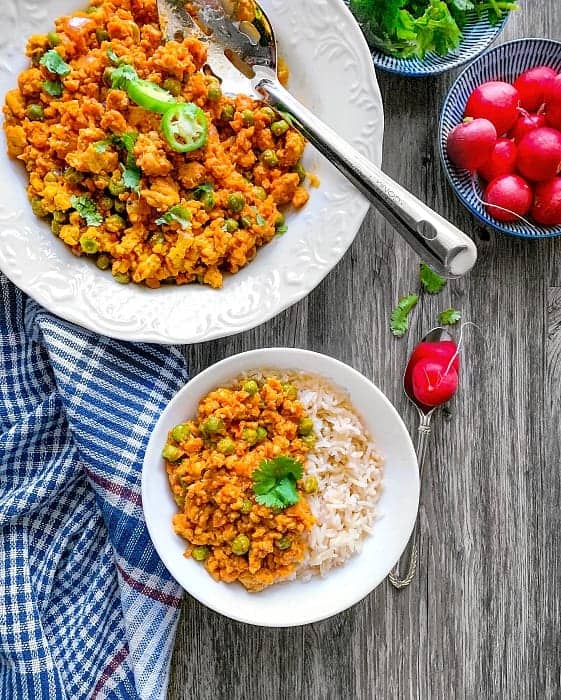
column 274, row 482
column 432, row 282
column 55, row 63
column 87, row 209
column 449, row 317
column 400, row 315
column 177, row 213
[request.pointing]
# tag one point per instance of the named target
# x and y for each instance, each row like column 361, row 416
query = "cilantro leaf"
column 400, row 315
column 131, row 177
column 87, row 209
column 53, row 88
column 101, row 146
column 261, row 221
column 176, row 213
column 54, row 63
column 122, row 75
column 431, row 281
column 202, row 189
column 449, row 317
column 282, row 229
column 126, row 140
column 274, row 482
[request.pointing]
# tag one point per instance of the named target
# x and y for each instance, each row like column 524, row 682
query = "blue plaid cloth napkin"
column 87, row 609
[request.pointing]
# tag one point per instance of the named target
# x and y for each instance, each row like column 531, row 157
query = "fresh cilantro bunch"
column 406, row 28
column 274, row 482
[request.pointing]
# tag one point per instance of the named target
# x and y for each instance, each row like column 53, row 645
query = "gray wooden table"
column 482, row 618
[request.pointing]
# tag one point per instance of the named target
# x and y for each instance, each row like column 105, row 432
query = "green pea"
column 236, row 202
column 51, row 177
column 279, row 128
column 250, row 436
column 310, row 484
column 120, row 207
column 101, row 34
column 60, row 217
column 200, row 553
column 290, row 391
column 122, row 277
column 115, row 223
column 108, row 76
column 91, row 10
column 260, row 193
column 54, row 39
column 251, row 387
column 38, row 208
column 269, row 158
column 73, row 177
column 106, row 202
column 208, row 201
column 116, row 186
column 247, row 505
column 181, row 432
column 173, row 86
column 56, row 227
column 226, row 446
column 268, row 113
column 227, row 113
column 248, row 117
column 35, row 112
column 301, row 171
column 212, row 425
column 284, row 543
column 214, row 92
column 89, row 245
column 309, row 441
column 172, row 453
column 306, row 426
column 231, row 225
column 280, row 220
column 261, row 434
column 240, row 545
column 103, row 261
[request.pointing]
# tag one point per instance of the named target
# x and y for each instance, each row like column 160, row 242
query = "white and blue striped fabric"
column 87, row 609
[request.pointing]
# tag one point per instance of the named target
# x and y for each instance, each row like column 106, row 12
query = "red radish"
column 433, row 382
column 501, row 162
column 539, row 154
column 441, row 351
column 547, row 202
column 526, row 122
column 552, row 99
column 496, row 101
column 508, row 192
column 470, row 143
column 531, row 86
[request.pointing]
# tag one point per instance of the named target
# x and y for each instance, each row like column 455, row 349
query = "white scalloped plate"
column 334, row 77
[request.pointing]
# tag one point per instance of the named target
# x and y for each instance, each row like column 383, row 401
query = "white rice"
column 348, row 470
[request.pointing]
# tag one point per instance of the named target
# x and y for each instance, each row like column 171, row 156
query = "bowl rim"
column 170, row 559
column 438, row 68
column 482, row 217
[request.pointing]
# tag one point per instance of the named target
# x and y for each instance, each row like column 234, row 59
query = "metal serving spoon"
column 243, row 54
column 424, row 431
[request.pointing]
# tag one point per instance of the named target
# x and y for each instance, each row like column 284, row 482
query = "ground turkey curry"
column 212, row 463
column 138, row 159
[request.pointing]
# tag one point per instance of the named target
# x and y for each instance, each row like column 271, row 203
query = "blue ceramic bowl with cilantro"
column 427, row 37
column 294, row 602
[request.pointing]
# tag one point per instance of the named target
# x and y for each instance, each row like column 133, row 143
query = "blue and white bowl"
column 505, row 62
column 478, row 34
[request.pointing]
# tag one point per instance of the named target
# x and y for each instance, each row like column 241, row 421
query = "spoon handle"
column 394, row 575
column 435, row 240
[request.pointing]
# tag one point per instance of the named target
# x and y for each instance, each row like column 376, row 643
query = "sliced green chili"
column 185, row 127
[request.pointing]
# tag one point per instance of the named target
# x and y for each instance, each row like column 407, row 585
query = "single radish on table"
column 539, row 154
column 496, row 101
column 531, row 86
column 508, row 197
column 502, row 160
column 526, row 122
column 547, row 202
column 471, row 143
column 433, row 382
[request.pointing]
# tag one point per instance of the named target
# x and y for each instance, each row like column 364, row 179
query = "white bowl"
column 295, row 602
